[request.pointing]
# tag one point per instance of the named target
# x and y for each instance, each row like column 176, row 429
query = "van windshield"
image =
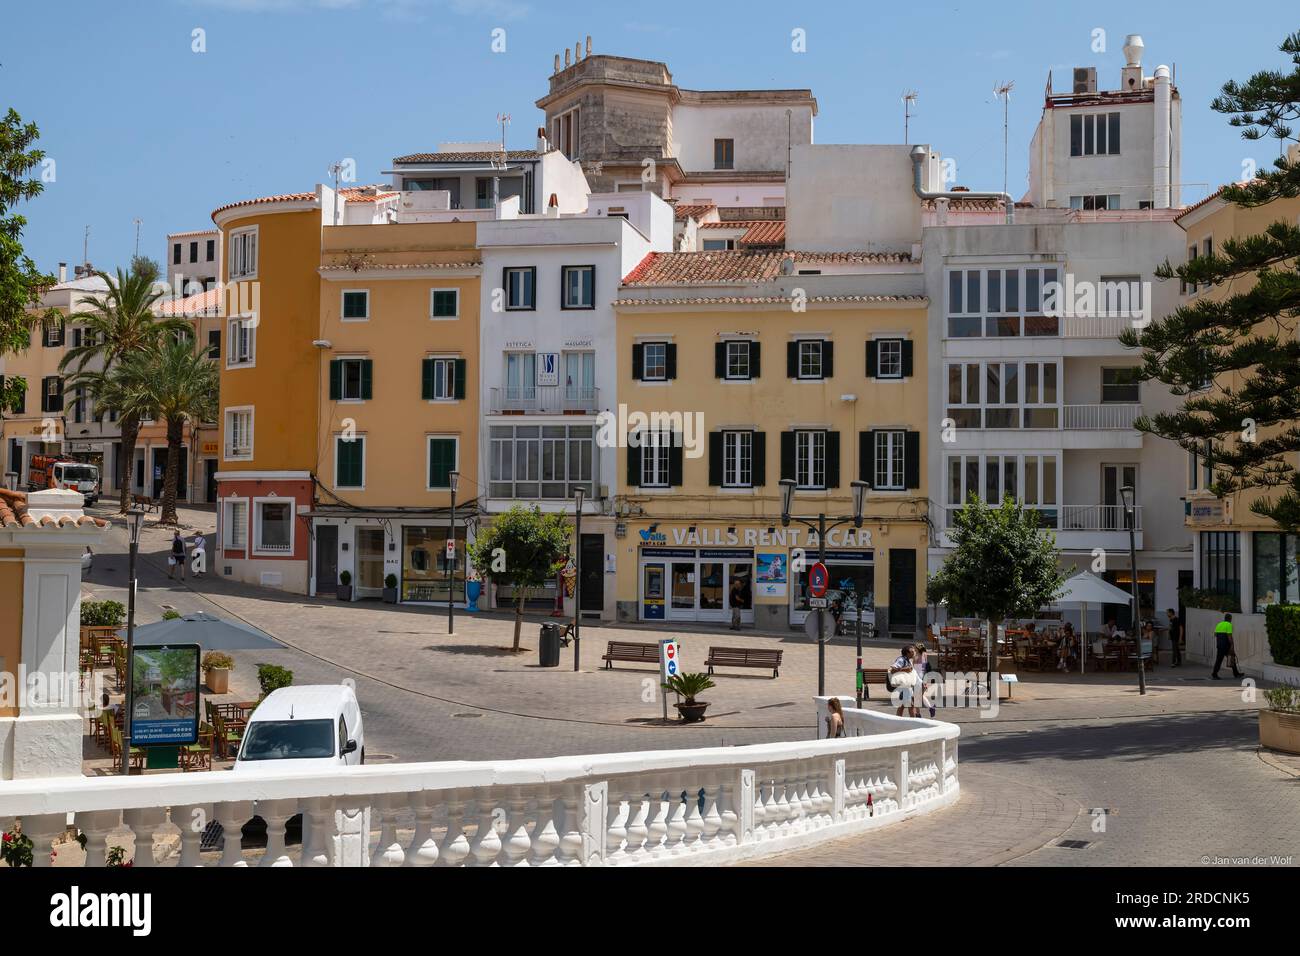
column 288, row 740
column 79, row 473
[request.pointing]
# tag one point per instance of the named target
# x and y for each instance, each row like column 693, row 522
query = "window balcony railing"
column 1076, row 517
column 1095, row 326
column 545, row 399
column 1101, row 417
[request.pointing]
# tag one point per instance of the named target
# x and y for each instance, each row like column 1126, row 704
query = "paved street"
column 1177, row 772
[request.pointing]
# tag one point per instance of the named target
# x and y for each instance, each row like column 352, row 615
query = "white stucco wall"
column 761, row 133
column 852, row 199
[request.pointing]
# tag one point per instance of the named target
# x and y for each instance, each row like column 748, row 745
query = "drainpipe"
column 919, row 155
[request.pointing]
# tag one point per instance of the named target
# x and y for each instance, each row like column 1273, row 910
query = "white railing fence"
column 1094, row 417
column 1098, row 518
column 670, row 807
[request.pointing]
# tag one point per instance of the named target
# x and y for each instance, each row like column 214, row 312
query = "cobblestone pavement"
column 1177, row 769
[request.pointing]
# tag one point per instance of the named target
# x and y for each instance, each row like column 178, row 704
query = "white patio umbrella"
column 1083, row 589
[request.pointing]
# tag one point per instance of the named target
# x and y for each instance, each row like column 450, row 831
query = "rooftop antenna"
column 85, row 248
column 137, row 222
column 1003, row 92
column 335, row 170
column 909, row 97
column 504, row 120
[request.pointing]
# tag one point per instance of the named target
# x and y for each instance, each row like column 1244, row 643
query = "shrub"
column 171, row 615
column 218, row 659
column 1284, row 699
column 273, row 677
column 102, row 614
column 390, row 581
column 1208, row 600
column 688, row 685
column 1282, row 622
column 15, row 849
column 345, row 578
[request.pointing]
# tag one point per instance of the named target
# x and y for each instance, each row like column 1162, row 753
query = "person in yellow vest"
column 1224, row 647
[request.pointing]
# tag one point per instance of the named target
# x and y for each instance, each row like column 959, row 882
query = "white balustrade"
column 660, row 808
column 1102, row 417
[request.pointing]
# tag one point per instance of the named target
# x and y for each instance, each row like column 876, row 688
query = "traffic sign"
column 670, row 664
column 819, row 579
column 451, row 549
column 817, row 602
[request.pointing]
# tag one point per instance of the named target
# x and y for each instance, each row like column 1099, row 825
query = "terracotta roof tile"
column 283, row 197
column 767, row 299
column 697, row 268
column 367, row 193
column 13, row 514
column 693, row 210
column 481, row 156
column 191, row 305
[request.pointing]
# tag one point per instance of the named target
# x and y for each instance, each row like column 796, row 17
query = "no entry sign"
column 819, row 580
column 669, row 660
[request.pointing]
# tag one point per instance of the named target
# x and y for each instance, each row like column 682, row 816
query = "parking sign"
column 669, row 659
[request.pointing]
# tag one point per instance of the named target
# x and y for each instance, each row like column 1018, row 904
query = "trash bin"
column 548, row 645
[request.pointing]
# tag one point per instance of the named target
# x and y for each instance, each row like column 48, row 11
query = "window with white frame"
column 1200, row 467
column 1094, row 134
column 578, row 285
column 889, row 460
column 541, row 461
column 241, row 342
column 1121, row 296
column 655, row 362
column 738, row 459
column 351, row 375
column 1002, row 302
column 564, row 133
column 1042, row 404
column 1001, row 394
column 443, row 454
column 964, row 406
column 810, row 359
column 580, row 379
column 239, row 434
column 356, row 305
column 810, row 459
column 521, row 288
column 738, row 361
column 655, row 457
column 234, row 524
column 273, row 526
column 243, row 253
column 1094, row 202
column 521, row 376
column 1030, row 479
column 889, row 358
column 444, row 378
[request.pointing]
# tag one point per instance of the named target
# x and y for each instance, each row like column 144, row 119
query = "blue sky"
column 141, row 126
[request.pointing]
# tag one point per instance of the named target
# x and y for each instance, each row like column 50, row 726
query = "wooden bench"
column 874, row 675
column 745, row 657
column 145, row 502
column 630, row 652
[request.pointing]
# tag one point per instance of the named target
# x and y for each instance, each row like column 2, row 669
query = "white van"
column 314, row 726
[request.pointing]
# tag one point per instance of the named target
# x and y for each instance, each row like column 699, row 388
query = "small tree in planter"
column 344, row 589
column 1279, row 721
column 390, row 589
column 687, row 686
column 522, row 548
column 217, row 666
column 102, row 614
column 272, row 677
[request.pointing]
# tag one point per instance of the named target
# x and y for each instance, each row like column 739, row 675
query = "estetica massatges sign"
column 686, row 537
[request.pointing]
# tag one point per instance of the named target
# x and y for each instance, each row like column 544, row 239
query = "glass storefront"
column 686, row 584
column 1277, row 574
column 852, row 575
column 425, row 575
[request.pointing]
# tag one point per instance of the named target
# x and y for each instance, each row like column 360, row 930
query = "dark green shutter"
column 867, row 457
column 759, row 469
column 716, row 452
column 755, row 366
column 336, row 379
column 907, row 358
column 638, row 362
column 787, row 455
column 832, row 459
column 633, row 466
column 912, row 460
column 670, row 361
column 792, row 359
column 367, row 377
column 442, row 459
column 426, row 379
column 719, row 359
column 461, row 366
column 871, row 359
column 349, row 464
column 675, row 459
column 828, row 359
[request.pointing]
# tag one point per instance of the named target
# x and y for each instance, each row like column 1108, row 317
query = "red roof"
column 191, row 305
column 694, row 210
column 283, row 197
column 692, row 268
column 13, row 514
column 367, row 193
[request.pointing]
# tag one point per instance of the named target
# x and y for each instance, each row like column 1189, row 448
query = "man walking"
column 177, row 557
column 1224, row 647
column 1175, row 636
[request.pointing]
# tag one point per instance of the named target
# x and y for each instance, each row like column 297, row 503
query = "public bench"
column 745, row 657
column 630, row 652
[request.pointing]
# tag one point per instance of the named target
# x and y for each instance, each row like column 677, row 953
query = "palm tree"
column 118, row 324
column 179, row 385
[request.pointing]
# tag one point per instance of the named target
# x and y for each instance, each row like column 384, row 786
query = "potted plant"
column 687, row 686
column 473, row 588
column 390, row 589
column 217, row 666
column 272, row 677
column 1279, row 721
column 344, row 589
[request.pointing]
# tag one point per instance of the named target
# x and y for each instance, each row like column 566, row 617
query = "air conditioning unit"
column 1085, row 79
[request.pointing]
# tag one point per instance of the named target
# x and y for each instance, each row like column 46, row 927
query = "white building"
column 548, row 364
column 192, row 263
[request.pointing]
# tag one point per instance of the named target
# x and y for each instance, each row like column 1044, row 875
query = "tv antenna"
column 1003, row 92
column 335, row 170
column 504, row 120
column 909, row 97
column 137, row 222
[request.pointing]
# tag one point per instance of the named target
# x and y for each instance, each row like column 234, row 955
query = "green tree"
column 523, row 549
column 180, row 384
column 146, row 268
column 118, row 323
column 21, row 284
column 1245, row 342
column 1004, row 564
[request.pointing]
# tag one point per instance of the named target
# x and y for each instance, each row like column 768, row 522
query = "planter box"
column 344, row 592
column 390, row 595
column 217, row 679
column 1279, row 731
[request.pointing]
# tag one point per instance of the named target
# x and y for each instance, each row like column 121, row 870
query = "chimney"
column 63, row 272
column 553, row 207
column 567, row 54
column 577, row 51
column 557, row 63
column 542, row 145
column 588, row 44
column 1131, row 74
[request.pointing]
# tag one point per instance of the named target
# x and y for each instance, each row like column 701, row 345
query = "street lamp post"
column 133, row 519
column 1128, row 494
column 577, row 581
column 453, row 481
column 819, row 525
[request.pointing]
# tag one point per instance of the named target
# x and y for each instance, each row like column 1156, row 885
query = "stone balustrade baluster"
column 95, row 827
column 388, row 852
column 770, row 813
column 517, row 842
column 455, row 846
column 191, row 821
column 232, row 816
column 317, row 832
column 546, row 838
column 276, row 813
column 423, row 848
column 41, row 830
column 638, row 829
column 783, row 814
column 620, row 810
column 658, row 826
column 694, row 817
column 569, row 849
column 729, row 806
column 486, row 845
column 711, row 819
column 143, row 821
column 674, row 842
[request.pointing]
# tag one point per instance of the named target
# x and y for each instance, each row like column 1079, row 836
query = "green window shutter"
column 461, row 369
column 442, row 460
column 349, row 458
column 426, row 379
column 336, row 379
column 367, row 376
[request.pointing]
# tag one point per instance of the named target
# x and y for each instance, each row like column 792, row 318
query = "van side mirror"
column 349, row 747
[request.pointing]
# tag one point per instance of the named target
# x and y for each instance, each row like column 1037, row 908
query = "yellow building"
column 807, row 366
column 1235, row 551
